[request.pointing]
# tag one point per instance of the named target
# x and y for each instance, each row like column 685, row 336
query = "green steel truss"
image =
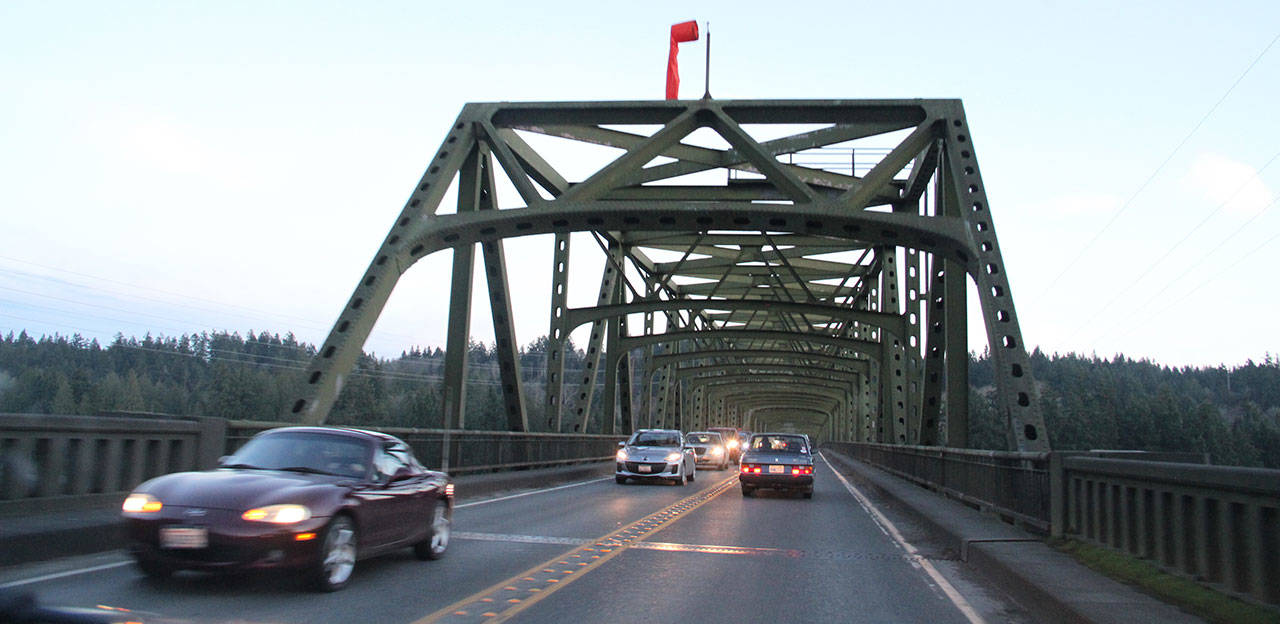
column 795, row 263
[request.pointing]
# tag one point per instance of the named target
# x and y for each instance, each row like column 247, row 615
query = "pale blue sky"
column 181, row 166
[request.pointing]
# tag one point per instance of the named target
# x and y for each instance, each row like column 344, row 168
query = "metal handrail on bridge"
column 52, row 463
column 1218, row 525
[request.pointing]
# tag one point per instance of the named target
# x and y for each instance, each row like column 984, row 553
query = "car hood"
column 776, row 458
column 650, row 453
column 239, row 489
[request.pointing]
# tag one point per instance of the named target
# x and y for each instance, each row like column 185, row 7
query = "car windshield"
column 703, row 438
column 778, row 444
column 304, row 452
column 656, row 438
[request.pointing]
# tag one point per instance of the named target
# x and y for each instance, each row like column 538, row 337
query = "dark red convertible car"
column 315, row 499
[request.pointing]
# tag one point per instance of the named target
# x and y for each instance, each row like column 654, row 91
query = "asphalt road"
column 597, row 552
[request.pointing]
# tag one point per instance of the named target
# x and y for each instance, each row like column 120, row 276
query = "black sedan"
column 780, row 461
column 314, row 499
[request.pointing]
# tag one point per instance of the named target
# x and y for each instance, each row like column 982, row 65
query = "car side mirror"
column 622, row 444
column 222, row 461
column 401, row 474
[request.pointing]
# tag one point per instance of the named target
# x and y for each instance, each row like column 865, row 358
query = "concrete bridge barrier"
column 1218, row 525
column 54, row 463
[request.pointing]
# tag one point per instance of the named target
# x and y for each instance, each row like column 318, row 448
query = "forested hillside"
column 1089, row 403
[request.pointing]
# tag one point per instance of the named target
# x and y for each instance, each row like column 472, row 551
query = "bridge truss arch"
column 834, row 230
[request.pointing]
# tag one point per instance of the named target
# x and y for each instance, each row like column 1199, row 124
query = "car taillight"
column 802, row 470
column 752, row 468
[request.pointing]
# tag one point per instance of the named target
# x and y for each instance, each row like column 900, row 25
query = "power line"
column 1098, row 312
column 1129, row 202
column 1207, row 281
column 1221, row 244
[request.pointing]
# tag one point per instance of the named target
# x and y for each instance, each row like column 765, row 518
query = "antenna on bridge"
column 706, row 94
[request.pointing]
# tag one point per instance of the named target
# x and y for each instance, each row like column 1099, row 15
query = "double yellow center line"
column 503, row 600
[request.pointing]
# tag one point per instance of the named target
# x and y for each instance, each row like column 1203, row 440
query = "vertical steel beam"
column 893, row 370
column 914, row 261
column 615, row 330
column 504, row 329
column 956, row 350
column 558, row 334
column 458, row 340
column 934, row 357
column 587, row 389
column 627, row 415
column 664, row 398
column 646, row 394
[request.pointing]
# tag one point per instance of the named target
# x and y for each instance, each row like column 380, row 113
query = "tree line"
column 1089, row 402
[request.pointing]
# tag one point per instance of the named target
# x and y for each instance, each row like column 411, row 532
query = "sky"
column 177, row 167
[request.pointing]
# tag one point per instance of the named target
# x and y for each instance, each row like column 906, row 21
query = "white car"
column 709, row 448
column 652, row 454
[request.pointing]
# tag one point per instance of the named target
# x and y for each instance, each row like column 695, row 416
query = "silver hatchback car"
column 652, row 454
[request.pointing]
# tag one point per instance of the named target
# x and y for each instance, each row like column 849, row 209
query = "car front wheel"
column 337, row 556
column 437, row 539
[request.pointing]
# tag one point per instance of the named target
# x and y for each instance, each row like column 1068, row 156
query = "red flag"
column 680, row 33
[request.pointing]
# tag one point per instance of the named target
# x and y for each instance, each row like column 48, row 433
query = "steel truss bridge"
column 769, row 264
column 780, row 281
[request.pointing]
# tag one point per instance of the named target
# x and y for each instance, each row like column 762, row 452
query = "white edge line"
column 947, row 588
column 108, row 566
column 58, row 575
column 529, row 493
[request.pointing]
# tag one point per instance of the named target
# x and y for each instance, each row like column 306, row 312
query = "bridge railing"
column 62, row 463
column 1014, row 485
column 1216, row 524
column 464, row 451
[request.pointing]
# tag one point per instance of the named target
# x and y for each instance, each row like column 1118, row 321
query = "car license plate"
column 777, row 469
column 644, row 468
column 184, row 537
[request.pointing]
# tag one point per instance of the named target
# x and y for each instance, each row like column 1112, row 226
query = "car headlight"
column 673, row 456
column 733, row 444
column 141, row 503
column 277, row 514
column 717, row 450
column 622, row 455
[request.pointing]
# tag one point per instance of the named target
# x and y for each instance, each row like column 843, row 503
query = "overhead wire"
column 1210, row 279
column 1221, row 244
column 1129, row 202
column 1168, row 252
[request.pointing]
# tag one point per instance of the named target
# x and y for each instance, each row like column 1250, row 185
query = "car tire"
column 620, row 480
column 434, row 545
column 748, row 490
column 808, row 494
column 154, row 569
column 337, row 557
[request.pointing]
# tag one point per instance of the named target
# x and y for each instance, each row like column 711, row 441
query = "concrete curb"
column 1051, row 585
column 40, row 537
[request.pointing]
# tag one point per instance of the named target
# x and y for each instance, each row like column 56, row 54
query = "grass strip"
column 1205, row 602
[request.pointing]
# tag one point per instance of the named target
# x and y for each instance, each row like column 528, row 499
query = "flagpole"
column 706, row 95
